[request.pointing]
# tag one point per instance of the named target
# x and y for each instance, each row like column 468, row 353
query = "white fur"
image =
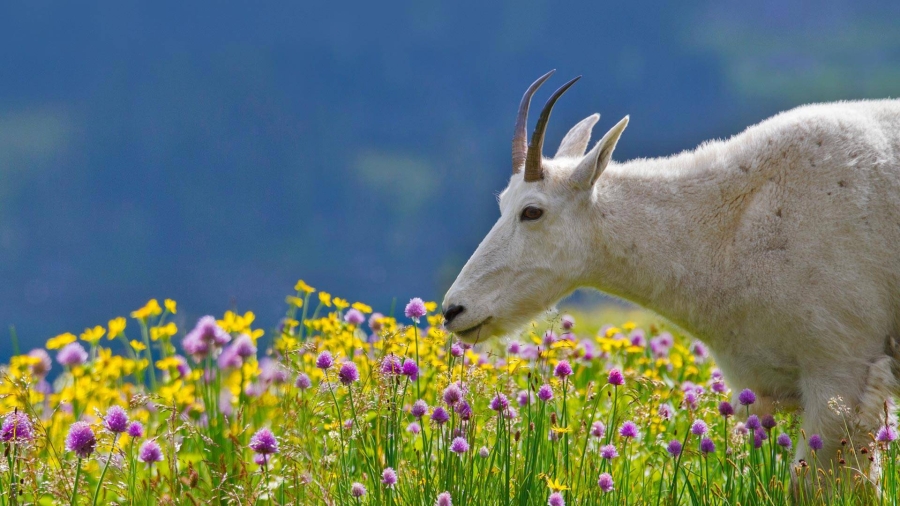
column 779, row 247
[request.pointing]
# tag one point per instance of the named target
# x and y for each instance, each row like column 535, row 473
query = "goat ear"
column 594, row 163
column 576, row 141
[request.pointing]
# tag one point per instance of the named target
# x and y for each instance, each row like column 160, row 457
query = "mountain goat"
column 779, row 248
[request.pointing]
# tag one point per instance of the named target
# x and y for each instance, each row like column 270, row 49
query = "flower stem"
column 105, row 467
column 75, row 487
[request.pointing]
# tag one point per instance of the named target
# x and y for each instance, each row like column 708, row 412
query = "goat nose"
column 452, row 312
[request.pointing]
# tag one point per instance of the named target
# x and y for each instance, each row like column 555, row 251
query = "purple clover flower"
column 691, row 399
column 515, row 347
column 699, row 428
column 615, row 378
column 499, row 402
column 452, row 394
column 414, row 428
column 244, row 347
column 303, row 382
column 665, row 411
column 44, row 364
column 483, row 452
column 459, row 445
column 768, row 422
column 150, row 452
column 440, row 415
column 357, row 490
column 707, row 445
column 415, row 309
column 784, row 441
column 886, row 434
column 205, row 335
column 419, row 409
column 81, row 440
column 563, row 370
column 524, row 398
column 72, row 354
column 567, row 322
column 726, row 409
column 463, row 410
column 410, row 369
column 608, row 452
column 674, row 448
column 136, row 430
column 17, row 427
column 324, row 361
column 718, row 386
column 699, row 350
column 264, row 442
column 759, row 436
column 815, row 442
column 556, row 499
column 746, row 397
column 348, row 373
column 753, row 422
column 391, row 365
column 354, row 316
column 375, row 322
column 629, row 430
column 545, row 393
column 456, row 350
column 229, row 359
column 605, row 482
column 116, row 420
column 389, row 477
column 598, row 430
column 444, row 499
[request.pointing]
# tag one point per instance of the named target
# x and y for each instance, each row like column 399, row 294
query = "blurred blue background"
column 217, row 154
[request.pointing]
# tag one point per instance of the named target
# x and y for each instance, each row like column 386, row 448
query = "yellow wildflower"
column 294, row 301
column 325, row 298
column 116, row 327
column 55, row 343
column 167, row 363
column 555, row 485
column 612, row 331
column 163, row 332
column 170, row 306
column 341, row 304
column 93, row 335
column 430, row 306
column 235, row 323
column 560, row 430
column 301, row 286
column 629, row 326
column 137, row 345
column 151, row 308
column 362, row 308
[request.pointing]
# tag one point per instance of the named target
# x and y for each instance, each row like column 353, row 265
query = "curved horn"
column 520, row 137
column 533, row 170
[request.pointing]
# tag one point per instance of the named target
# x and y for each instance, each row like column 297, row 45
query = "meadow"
column 347, row 406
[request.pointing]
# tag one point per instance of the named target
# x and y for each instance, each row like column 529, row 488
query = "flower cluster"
column 343, row 405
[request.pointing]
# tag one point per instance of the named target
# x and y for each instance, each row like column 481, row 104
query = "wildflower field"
column 341, row 405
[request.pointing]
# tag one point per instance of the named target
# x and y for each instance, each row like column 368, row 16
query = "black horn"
column 520, row 137
column 534, row 155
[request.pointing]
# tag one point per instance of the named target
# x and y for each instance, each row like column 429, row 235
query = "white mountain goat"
column 779, row 248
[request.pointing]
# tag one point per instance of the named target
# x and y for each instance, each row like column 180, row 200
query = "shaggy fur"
column 779, row 248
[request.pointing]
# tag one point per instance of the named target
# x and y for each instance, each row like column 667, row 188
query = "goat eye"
column 532, row 213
